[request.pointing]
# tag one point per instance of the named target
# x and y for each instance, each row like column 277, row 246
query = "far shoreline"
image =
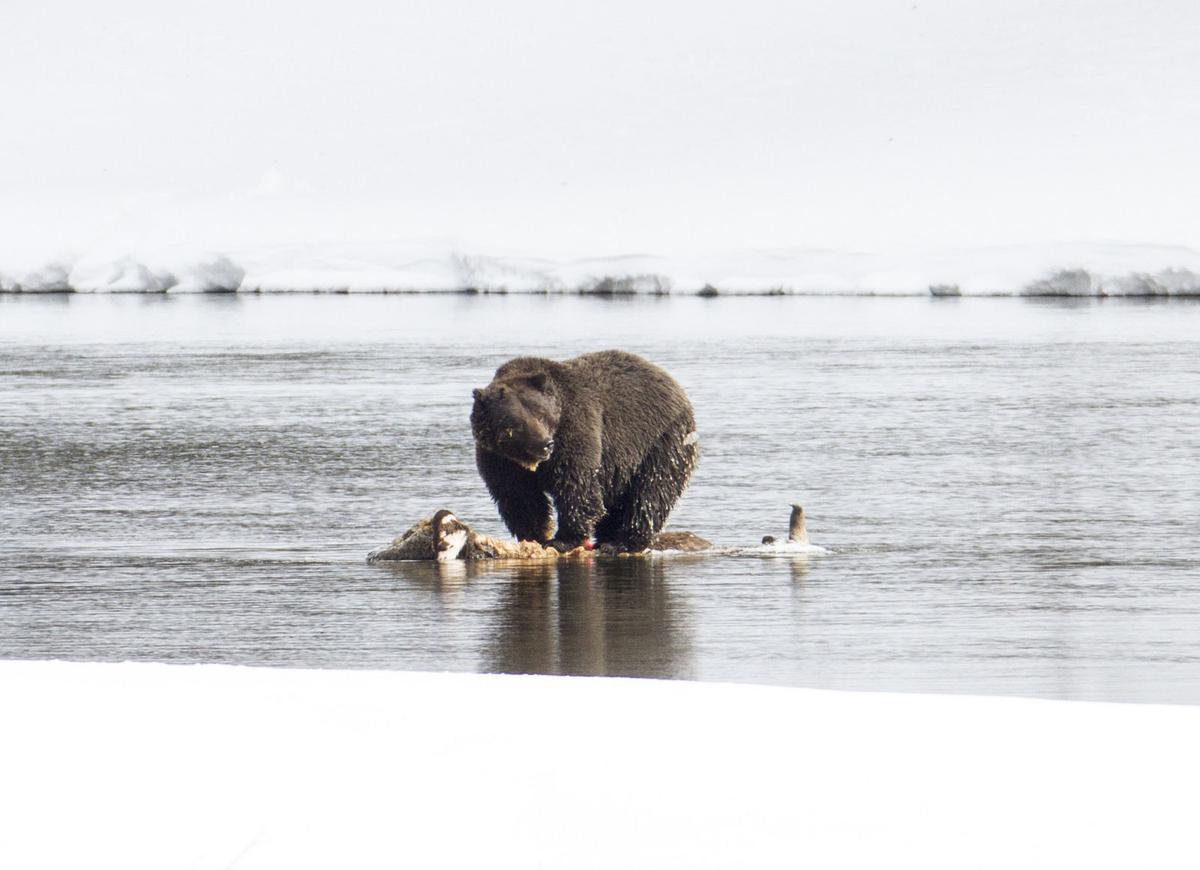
column 704, row 293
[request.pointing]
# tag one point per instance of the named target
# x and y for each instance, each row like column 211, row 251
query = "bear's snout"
column 545, row 450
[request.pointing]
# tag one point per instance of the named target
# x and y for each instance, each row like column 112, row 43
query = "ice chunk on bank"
column 179, row 274
column 50, row 278
column 123, row 275
column 214, row 274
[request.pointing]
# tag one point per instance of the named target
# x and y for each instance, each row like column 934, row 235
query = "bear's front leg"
column 518, row 495
column 578, row 500
column 641, row 512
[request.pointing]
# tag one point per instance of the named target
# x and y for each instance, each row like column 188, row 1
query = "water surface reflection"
column 613, row 617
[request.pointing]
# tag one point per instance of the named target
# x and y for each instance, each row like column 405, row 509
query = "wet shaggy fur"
column 605, row 439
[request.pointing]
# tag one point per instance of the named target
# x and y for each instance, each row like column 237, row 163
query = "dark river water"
column 1009, row 490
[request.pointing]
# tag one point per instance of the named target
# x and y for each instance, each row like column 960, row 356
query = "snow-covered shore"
column 154, row 766
column 1087, row 270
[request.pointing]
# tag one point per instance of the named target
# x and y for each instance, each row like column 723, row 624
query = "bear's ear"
column 538, row 381
column 476, row 394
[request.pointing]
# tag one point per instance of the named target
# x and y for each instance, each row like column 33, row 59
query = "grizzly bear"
column 608, row 436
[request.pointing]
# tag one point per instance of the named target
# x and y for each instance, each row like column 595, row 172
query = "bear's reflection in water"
column 611, row 617
column 583, row 617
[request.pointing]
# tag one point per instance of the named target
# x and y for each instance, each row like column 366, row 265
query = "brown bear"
column 610, row 437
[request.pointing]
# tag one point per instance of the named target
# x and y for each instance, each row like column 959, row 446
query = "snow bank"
column 48, row 278
column 213, row 274
column 1080, row 282
column 128, row 274
column 1047, row 270
column 151, row 766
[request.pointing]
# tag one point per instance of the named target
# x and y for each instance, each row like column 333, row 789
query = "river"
column 1009, row 489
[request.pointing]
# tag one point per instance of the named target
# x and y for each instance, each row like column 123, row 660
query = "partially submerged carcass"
column 445, row 538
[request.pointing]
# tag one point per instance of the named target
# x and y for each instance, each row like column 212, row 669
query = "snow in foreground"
column 155, row 766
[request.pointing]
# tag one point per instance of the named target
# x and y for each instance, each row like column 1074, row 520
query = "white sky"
column 594, row 127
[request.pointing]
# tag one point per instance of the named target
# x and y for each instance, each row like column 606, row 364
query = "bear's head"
column 516, row 417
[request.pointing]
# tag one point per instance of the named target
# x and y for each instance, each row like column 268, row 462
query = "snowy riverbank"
column 154, row 766
column 1087, row 270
